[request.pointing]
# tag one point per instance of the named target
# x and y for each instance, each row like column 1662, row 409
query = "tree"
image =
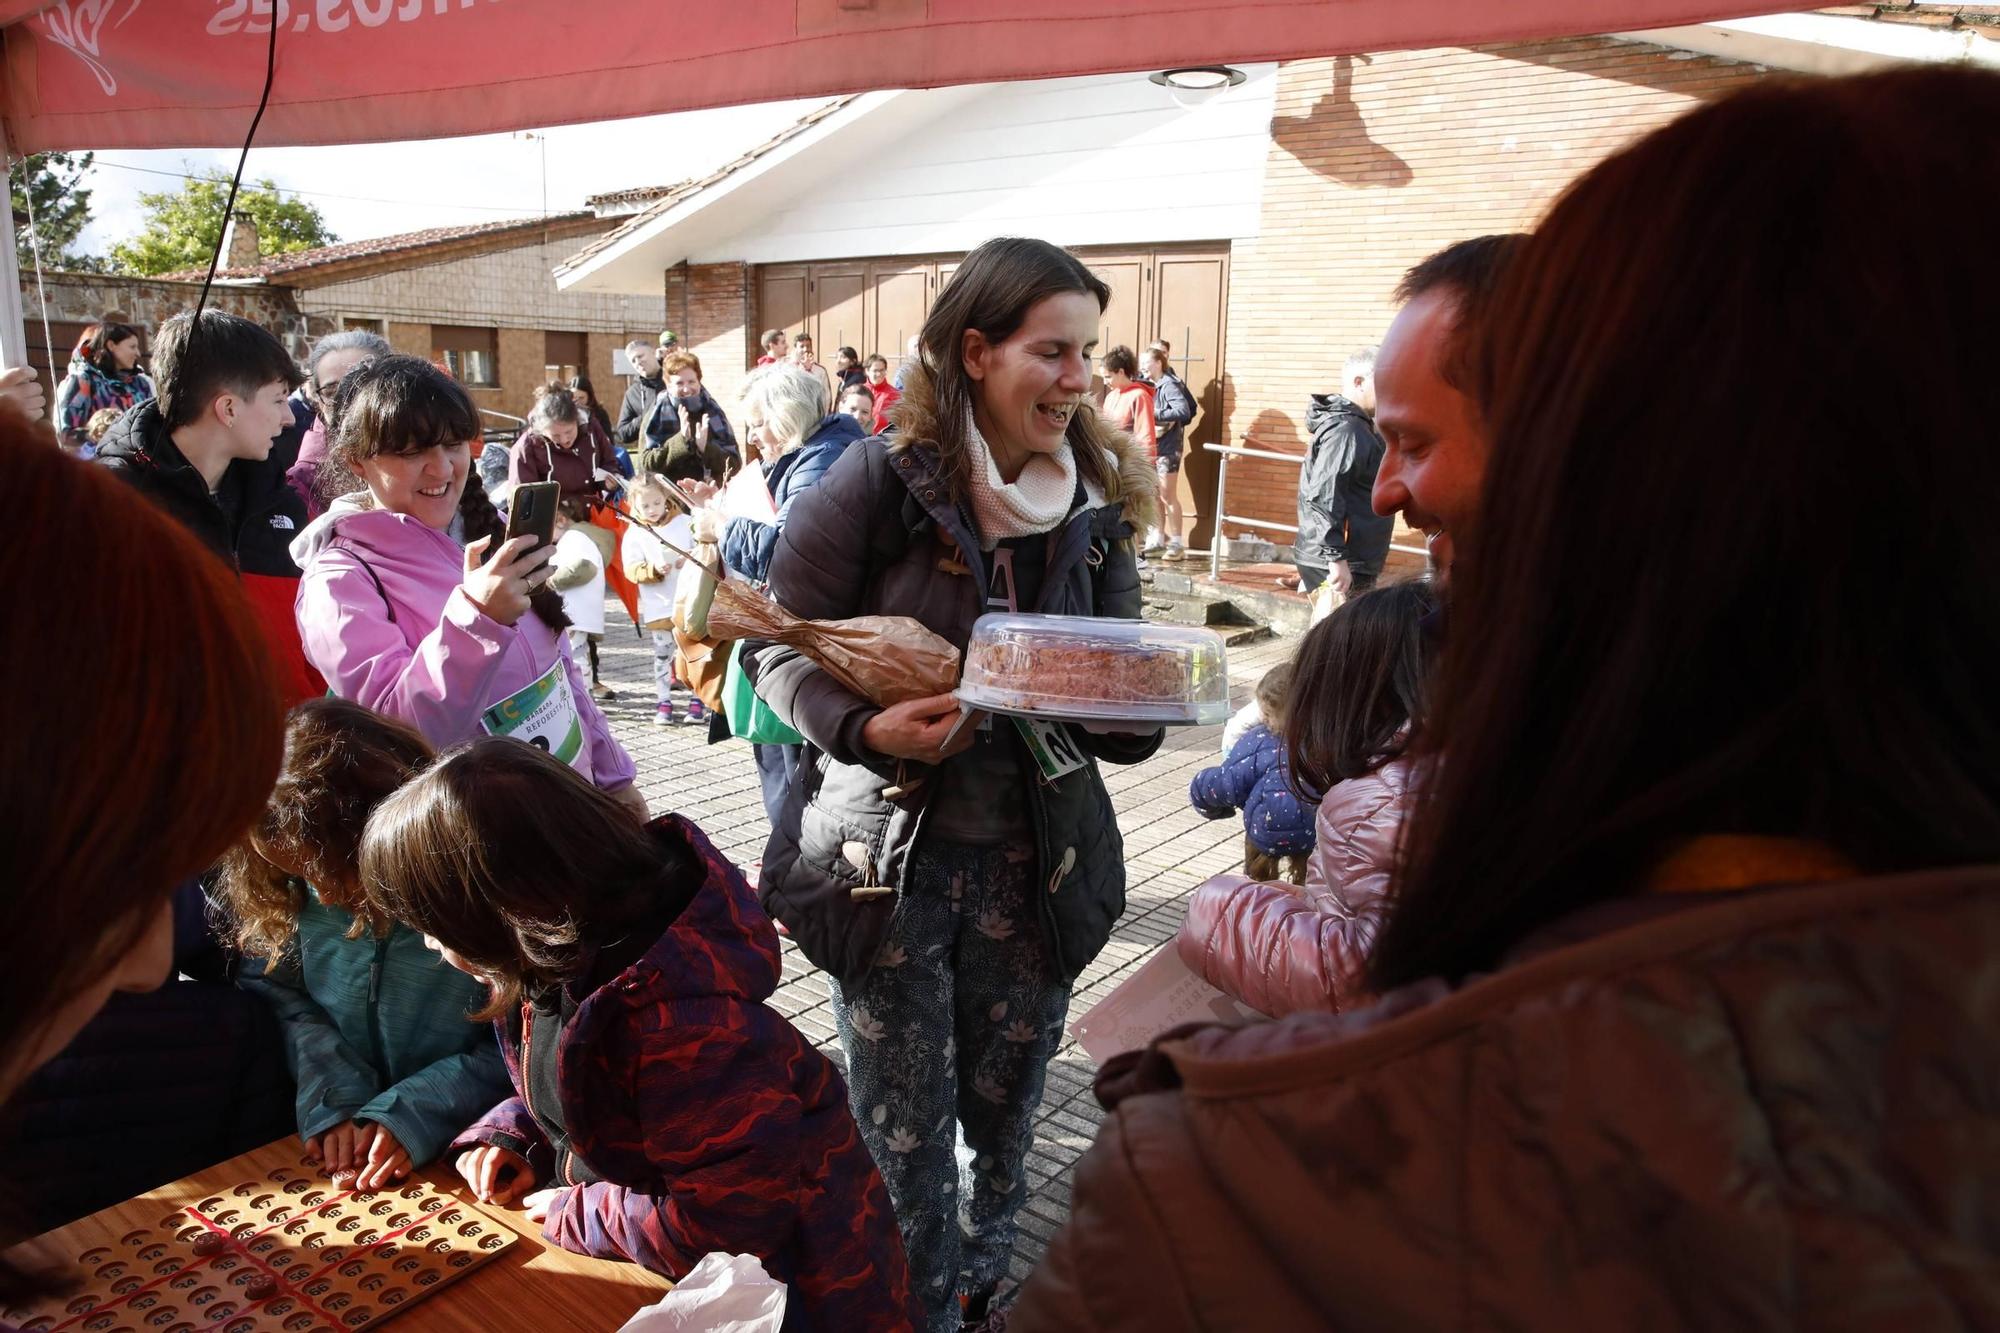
column 182, row 226
column 54, row 182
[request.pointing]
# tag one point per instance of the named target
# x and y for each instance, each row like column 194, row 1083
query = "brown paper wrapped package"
column 884, row 659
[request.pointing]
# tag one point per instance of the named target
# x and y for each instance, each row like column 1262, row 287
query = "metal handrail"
column 1216, row 538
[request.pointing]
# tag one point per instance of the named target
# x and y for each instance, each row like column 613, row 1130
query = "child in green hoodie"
column 389, row 1068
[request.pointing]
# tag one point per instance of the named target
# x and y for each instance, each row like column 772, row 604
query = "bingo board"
column 288, row 1253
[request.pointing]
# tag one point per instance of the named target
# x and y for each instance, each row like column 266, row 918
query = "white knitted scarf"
column 1033, row 502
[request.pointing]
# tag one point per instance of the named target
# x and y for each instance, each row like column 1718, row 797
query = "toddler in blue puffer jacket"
column 1277, row 825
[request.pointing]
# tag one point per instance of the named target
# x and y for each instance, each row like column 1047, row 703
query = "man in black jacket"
column 640, row 395
column 213, row 449
column 1341, row 538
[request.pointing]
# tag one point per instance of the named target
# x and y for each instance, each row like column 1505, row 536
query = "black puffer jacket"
column 868, row 540
column 640, row 395
column 1336, row 519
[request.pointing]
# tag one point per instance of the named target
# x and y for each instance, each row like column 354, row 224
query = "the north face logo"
column 283, row 521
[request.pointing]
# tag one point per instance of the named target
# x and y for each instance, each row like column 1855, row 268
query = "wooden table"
column 531, row 1286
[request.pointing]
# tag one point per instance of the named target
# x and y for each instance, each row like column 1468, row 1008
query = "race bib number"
column 1049, row 742
column 543, row 714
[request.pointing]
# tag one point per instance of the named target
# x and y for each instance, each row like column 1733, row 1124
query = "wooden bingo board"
column 287, row 1253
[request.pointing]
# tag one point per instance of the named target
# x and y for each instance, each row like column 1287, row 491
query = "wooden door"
column 839, row 316
column 1188, row 297
column 1124, row 322
column 901, row 299
column 781, row 302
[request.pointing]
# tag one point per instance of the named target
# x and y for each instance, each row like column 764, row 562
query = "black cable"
column 236, row 183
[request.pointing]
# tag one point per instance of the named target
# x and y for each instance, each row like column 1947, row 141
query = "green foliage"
column 61, row 207
column 182, row 226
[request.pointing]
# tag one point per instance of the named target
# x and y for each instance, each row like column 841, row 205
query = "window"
column 471, row 355
column 562, row 355
column 362, row 324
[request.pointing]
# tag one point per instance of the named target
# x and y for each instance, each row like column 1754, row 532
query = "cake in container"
column 1095, row 669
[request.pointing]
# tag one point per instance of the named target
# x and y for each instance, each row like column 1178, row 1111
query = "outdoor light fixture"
column 1192, row 85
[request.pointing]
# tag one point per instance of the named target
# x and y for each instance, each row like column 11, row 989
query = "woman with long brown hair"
column 110, row 805
column 1712, row 855
column 952, row 888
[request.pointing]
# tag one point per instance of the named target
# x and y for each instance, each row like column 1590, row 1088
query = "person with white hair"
column 788, row 420
column 331, row 359
column 1341, row 537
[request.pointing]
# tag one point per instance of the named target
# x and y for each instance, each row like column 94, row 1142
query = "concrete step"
column 1281, row 611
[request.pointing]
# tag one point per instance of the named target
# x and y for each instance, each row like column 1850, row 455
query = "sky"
column 369, row 190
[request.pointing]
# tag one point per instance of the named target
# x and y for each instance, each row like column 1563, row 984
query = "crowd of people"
column 1628, row 914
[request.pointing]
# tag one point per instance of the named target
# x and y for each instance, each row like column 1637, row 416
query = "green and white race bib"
column 542, row 714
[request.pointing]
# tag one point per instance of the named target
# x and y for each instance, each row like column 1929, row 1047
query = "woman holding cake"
column 952, row 884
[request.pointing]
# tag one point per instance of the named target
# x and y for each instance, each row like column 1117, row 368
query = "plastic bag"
column 884, row 659
column 724, row 1293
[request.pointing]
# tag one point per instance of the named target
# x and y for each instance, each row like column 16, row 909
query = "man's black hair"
column 1470, row 271
column 192, row 366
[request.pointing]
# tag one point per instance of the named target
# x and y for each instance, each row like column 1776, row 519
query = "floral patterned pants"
column 951, row 1034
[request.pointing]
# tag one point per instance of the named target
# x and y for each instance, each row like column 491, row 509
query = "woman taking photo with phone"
column 413, row 601
column 901, row 863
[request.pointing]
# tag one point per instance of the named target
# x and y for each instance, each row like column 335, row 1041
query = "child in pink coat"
column 1357, row 691
column 412, row 603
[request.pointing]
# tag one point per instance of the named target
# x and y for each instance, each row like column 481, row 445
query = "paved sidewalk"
column 1169, row 850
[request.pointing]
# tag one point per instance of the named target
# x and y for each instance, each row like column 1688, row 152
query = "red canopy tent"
column 177, row 73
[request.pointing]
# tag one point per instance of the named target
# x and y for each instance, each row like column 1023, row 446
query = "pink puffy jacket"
column 1281, row 949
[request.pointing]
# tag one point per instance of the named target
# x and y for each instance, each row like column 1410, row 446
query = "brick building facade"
column 1377, row 161
column 1310, row 196
column 433, row 294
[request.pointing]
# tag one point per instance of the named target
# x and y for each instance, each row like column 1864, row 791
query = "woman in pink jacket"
column 1357, row 702
column 412, row 602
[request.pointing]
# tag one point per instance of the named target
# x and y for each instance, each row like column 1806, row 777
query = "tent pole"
column 13, row 322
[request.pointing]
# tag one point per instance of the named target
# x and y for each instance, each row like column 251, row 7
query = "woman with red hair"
column 117, row 795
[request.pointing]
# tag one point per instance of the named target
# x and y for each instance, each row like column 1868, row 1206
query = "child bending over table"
column 388, row 1063
column 662, row 1109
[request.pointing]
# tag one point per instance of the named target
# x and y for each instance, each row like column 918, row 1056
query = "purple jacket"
column 382, row 617
column 713, row 1122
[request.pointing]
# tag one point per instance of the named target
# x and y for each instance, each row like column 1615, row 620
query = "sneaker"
column 696, row 714
column 663, row 716
column 602, row 693
column 1176, row 550
column 1154, row 545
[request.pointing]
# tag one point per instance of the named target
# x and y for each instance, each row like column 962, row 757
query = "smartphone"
column 532, row 513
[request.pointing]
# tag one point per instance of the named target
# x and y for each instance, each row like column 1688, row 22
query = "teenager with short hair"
column 212, row 449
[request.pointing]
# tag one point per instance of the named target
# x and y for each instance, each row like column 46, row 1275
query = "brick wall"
column 87, row 298
column 1377, row 161
column 502, row 289
column 713, row 303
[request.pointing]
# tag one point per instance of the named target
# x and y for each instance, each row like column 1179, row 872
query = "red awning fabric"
column 187, row 73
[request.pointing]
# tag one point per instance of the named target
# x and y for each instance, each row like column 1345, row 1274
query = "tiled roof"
column 641, row 194
column 675, row 194
column 1983, row 18
column 379, row 247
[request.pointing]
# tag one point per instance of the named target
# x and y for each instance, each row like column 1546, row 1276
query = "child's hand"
column 539, row 1204
column 384, row 1159
column 341, row 1150
column 495, row 1174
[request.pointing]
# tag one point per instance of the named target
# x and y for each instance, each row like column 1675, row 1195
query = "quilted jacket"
column 712, row 1123
column 1256, row 780
column 876, row 536
column 1761, row 1110
column 1280, row 949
